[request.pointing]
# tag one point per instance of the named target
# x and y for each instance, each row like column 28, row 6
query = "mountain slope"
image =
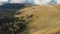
column 31, row 20
column 45, row 19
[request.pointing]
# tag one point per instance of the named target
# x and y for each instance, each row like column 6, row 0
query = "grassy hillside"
column 10, row 24
column 32, row 20
column 44, row 19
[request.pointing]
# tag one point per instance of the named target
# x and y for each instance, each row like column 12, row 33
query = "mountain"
column 31, row 20
column 12, row 6
column 53, row 2
column 44, row 19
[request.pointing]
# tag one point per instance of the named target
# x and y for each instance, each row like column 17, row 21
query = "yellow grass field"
column 45, row 20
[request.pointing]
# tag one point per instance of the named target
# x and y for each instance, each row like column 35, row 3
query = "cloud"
column 37, row 2
column 58, row 1
column 3, row 0
column 41, row 2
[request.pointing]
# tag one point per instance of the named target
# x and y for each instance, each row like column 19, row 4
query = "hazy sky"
column 58, row 1
column 41, row 2
column 3, row 0
column 38, row 2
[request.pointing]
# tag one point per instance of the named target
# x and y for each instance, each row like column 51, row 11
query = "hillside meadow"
column 31, row 20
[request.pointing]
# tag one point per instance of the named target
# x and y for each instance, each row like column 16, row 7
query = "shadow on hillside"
column 58, row 32
column 12, row 6
column 10, row 24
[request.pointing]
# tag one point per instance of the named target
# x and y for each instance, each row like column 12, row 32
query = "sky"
column 3, row 0
column 58, row 1
column 37, row 2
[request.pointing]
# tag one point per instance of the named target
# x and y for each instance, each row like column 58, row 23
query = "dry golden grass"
column 46, row 19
